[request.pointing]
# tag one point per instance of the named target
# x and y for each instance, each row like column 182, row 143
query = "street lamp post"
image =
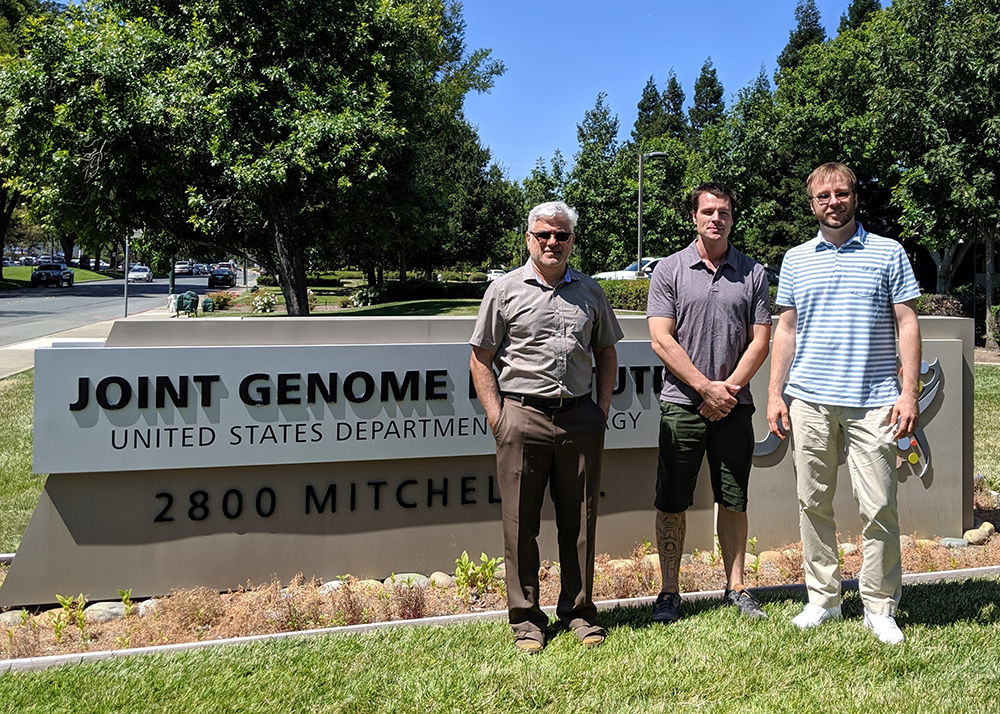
column 642, row 158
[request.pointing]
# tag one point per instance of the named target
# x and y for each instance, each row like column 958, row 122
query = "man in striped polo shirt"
column 842, row 296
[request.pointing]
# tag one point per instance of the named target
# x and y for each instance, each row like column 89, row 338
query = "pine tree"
column 675, row 123
column 650, row 121
column 808, row 31
column 856, row 14
column 709, row 106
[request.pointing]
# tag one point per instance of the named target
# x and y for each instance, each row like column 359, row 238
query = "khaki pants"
column 562, row 450
column 871, row 460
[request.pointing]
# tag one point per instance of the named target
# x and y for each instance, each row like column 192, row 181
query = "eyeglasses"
column 824, row 198
column 543, row 236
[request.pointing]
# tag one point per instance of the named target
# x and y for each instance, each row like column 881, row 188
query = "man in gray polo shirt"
column 710, row 323
column 541, row 325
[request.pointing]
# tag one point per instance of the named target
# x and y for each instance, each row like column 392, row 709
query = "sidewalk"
column 21, row 356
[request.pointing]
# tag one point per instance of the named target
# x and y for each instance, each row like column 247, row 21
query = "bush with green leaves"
column 473, row 580
column 626, row 294
column 222, row 300
column 264, row 302
column 392, row 291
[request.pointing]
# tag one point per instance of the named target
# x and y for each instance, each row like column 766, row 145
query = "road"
column 30, row 313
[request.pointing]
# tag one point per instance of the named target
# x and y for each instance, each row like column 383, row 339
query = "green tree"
column 673, row 106
column 808, row 31
column 13, row 13
column 596, row 188
column 650, row 121
column 709, row 106
column 935, row 84
column 857, row 13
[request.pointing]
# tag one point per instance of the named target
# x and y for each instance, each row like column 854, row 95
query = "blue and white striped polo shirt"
column 845, row 339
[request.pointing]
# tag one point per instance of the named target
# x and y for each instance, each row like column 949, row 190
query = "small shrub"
column 626, row 294
column 477, row 278
column 222, row 299
column 473, row 581
column 264, row 302
column 266, row 280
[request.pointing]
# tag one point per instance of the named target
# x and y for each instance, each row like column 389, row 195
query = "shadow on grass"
column 974, row 601
column 414, row 308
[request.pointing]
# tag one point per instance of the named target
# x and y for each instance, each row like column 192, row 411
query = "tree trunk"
column 8, row 202
column 947, row 262
column 989, row 236
column 293, row 273
column 402, row 267
column 67, row 243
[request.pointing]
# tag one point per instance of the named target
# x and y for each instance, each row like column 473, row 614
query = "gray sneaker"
column 667, row 608
column 746, row 603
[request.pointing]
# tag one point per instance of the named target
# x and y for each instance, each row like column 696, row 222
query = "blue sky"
column 559, row 54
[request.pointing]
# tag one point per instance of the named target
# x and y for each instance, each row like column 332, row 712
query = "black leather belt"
column 543, row 402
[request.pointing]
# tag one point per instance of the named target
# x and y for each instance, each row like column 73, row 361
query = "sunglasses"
column 543, row 236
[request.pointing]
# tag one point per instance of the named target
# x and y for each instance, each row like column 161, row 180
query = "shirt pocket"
column 865, row 282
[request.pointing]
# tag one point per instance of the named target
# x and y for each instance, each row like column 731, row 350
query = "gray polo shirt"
column 544, row 338
column 714, row 314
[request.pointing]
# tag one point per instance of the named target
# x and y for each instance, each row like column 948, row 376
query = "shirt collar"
column 694, row 257
column 860, row 237
column 532, row 274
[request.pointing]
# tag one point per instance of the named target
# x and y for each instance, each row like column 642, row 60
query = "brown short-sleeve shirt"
column 714, row 314
column 544, row 337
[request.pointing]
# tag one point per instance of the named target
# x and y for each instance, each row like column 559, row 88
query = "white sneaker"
column 884, row 627
column 813, row 615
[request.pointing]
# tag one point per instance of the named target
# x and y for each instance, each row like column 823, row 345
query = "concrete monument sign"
column 214, row 452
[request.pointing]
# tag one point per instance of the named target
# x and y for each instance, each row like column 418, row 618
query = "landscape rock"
column 147, row 607
column 988, row 528
column 954, row 542
column 104, row 612
column 501, row 572
column 554, row 571
column 905, row 542
column 926, row 543
column 370, row 584
column 771, row 556
column 620, row 564
column 687, row 559
column 442, row 580
column 331, row 586
column 11, row 618
column 847, row 548
column 976, row 536
column 652, row 560
column 414, row 580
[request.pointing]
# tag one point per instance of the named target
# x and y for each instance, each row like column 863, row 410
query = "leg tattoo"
column 670, row 531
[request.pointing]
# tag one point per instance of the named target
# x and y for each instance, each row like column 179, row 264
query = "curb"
column 29, row 664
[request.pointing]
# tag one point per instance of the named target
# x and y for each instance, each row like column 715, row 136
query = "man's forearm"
column 485, row 382
column 782, row 352
column 606, row 361
column 753, row 356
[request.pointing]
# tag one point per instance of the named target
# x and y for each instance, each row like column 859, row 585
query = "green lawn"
column 987, row 421
column 710, row 661
column 20, row 277
column 19, row 488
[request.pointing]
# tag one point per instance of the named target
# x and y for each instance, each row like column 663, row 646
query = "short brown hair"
column 719, row 190
column 833, row 168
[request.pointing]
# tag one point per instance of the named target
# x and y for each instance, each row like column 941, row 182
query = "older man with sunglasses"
column 543, row 326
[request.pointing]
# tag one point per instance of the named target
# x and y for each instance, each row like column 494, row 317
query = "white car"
column 630, row 273
column 140, row 274
column 183, row 267
column 493, row 274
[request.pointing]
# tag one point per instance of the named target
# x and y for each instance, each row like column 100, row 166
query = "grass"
column 19, row 276
column 19, row 488
column 710, row 661
column 987, row 420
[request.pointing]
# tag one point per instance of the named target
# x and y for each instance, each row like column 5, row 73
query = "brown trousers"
column 561, row 449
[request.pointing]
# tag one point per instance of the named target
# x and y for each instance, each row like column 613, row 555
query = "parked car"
column 51, row 273
column 8, row 263
column 139, row 274
column 772, row 276
column 222, row 278
column 494, row 273
column 630, row 272
column 201, row 269
column 28, row 260
column 183, row 267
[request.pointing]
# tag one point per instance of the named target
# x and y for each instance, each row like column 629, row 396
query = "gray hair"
column 553, row 209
